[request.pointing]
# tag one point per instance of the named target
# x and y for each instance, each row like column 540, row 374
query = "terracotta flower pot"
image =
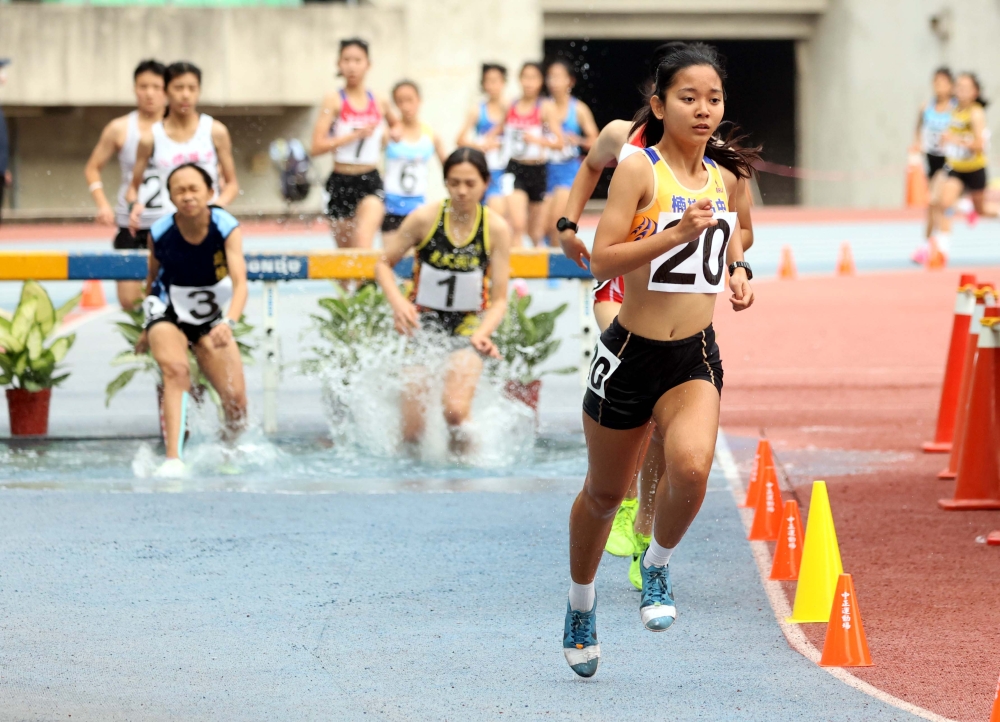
column 29, row 411
column 525, row 393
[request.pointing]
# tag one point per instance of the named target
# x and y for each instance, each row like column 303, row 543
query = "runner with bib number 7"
column 667, row 229
column 460, row 273
column 198, row 287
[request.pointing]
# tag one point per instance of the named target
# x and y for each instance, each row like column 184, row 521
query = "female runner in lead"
column 666, row 229
column 460, row 273
column 632, row 527
column 350, row 125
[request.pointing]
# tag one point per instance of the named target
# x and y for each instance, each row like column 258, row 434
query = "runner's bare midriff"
column 663, row 316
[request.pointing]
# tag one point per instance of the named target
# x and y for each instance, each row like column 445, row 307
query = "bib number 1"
column 448, row 290
column 697, row 266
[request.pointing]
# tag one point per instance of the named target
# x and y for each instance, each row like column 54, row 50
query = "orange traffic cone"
column 965, row 385
column 995, row 714
column 937, row 259
column 978, row 483
column 763, row 458
column 993, row 538
column 917, row 192
column 767, row 516
column 93, row 295
column 948, row 407
column 788, row 553
column 845, row 645
column 845, row 260
column 786, row 267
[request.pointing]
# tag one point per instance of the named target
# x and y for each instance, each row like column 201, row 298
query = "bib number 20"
column 695, row 267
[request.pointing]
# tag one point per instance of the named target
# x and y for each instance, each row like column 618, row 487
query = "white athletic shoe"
column 171, row 469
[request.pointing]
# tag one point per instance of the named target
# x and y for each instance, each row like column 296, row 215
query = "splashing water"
column 363, row 405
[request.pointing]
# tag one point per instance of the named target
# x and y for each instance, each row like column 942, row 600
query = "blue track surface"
column 204, row 606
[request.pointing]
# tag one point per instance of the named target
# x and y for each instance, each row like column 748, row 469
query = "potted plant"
column 27, row 366
column 131, row 329
column 350, row 321
column 525, row 342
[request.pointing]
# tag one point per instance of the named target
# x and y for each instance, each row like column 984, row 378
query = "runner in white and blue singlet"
column 407, row 159
column 483, row 129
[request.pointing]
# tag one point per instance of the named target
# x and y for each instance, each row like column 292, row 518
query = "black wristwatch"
column 565, row 223
column 741, row 264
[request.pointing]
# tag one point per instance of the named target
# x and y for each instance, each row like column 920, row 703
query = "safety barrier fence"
column 270, row 268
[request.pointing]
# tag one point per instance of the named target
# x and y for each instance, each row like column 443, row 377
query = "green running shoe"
column 634, row 573
column 621, row 541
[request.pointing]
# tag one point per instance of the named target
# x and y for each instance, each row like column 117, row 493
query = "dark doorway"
column 761, row 93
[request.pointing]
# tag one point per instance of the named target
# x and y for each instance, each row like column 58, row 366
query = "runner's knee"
column 176, row 373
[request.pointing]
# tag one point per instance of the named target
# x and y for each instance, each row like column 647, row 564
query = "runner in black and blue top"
column 198, row 288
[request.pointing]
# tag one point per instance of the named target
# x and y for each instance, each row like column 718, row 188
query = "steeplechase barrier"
column 270, row 268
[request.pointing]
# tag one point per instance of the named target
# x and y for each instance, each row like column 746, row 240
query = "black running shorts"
column 531, row 179
column 125, row 241
column 934, row 164
column 973, row 180
column 392, row 222
column 630, row 373
column 194, row 333
column 347, row 191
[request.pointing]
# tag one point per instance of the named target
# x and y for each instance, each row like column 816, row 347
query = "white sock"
column 943, row 242
column 656, row 555
column 581, row 596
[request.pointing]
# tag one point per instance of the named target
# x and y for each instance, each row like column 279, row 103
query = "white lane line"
column 779, row 603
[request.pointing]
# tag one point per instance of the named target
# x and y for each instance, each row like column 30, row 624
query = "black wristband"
column 741, row 264
column 565, row 223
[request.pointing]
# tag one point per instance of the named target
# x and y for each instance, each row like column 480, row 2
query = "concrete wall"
column 863, row 76
column 864, row 68
column 265, row 71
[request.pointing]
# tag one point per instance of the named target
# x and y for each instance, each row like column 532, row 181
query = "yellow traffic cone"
column 821, row 565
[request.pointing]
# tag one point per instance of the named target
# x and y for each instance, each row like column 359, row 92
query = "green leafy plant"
column 525, row 341
column 25, row 361
column 348, row 322
column 136, row 363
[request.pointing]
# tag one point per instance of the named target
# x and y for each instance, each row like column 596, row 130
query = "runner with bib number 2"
column 198, row 287
column 460, row 273
column 666, row 228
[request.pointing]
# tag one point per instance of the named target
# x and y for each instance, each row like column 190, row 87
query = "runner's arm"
column 143, row 152
column 739, row 284
column 237, row 265
column 978, row 122
column 439, row 148
column 614, row 253
column 741, row 205
column 499, row 275
column 412, row 230
column 917, row 141
column 587, row 124
column 550, row 119
column 224, row 150
column 152, row 270
column 465, row 137
column 106, row 147
column 604, row 150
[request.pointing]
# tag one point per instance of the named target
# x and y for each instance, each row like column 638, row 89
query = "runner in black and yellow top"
column 667, row 229
column 965, row 160
column 460, row 275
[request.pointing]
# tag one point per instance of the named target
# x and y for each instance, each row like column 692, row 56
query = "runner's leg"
column 169, row 346
column 223, row 368
column 367, row 221
column 413, row 403
column 517, row 208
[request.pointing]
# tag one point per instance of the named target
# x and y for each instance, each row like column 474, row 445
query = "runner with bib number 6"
column 666, row 228
column 198, row 287
column 460, row 273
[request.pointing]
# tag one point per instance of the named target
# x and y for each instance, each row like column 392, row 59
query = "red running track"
column 845, row 373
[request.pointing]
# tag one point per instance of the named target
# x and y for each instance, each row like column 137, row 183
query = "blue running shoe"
column 656, row 607
column 580, row 646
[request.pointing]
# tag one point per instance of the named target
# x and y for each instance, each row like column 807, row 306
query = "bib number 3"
column 198, row 305
column 695, row 267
